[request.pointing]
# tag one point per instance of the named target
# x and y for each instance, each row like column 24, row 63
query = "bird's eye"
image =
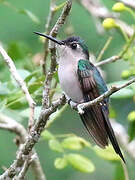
column 73, row 45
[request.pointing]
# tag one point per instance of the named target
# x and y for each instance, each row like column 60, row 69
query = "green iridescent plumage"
column 82, row 82
column 95, row 117
column 85, row 65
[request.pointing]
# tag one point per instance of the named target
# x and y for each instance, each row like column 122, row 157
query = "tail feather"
column 95, row 129
column 100, row 128
column 112, row 137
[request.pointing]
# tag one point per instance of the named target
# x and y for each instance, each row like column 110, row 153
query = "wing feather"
column 92, row 118
column 95, row 118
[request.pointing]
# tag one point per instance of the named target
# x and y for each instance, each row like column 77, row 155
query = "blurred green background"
column 16, row 32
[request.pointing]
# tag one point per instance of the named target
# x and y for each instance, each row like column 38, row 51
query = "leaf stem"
column 104, row 48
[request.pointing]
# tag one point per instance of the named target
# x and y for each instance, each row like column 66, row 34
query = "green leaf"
column 60, row 163
column 3, row 105
column 18, row 50
column 55, row 145
column 127, row 92
column 131, row 130
column 25, row 113
column 4, row 89
column 31, row 15
column 112, row 113
column 34, row 86
column 56, row 76
column 17, row 103
column 30, row 76
column 119, row 173
column 107, row 154
column 47, row 135
column 131, row 116
column 57, row 8
column 80, row 163
column 23, row 73
column 75, row 143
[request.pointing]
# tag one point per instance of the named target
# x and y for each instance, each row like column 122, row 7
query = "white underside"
column 69, row 83
column 68, row 78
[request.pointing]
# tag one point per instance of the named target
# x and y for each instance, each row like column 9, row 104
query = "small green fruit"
column 125, row 74
column 119, row 7
column 131, row 116
column 109, row 23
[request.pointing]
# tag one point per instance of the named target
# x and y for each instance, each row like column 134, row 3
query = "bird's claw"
column 72, row 104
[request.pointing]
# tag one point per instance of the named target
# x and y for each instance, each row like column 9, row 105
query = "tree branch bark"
column 21, row 84
column 15, row 127
column 108, row 93
column 46, row 111
column 120, row 56
column 47, row 29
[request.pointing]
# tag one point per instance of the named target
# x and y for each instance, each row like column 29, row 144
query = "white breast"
column 69, row 81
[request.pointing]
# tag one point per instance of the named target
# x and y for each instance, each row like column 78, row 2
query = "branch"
column 123, row 139
column 46, row 111
column 107, row 61
column 61, row 20
column 15, row 127
column 120, row 56
column 104, row 48
column 36, row 169
column 31, row 140
column 96, row 8
column 130, row 3
column 47, row 29
column 99, row 12
column 108, row 93
column 24, row 170
column 21, row 84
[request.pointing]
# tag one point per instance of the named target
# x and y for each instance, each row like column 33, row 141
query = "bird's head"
column 72, row 46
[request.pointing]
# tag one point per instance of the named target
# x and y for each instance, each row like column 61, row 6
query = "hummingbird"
column 82, row 82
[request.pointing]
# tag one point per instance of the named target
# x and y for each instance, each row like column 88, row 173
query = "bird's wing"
column 95, row 117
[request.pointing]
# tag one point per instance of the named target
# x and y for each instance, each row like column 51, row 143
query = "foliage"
column 69, row 150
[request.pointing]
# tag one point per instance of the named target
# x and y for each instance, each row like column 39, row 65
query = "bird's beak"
column 50, row 38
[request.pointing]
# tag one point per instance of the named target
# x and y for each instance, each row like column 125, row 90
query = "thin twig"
column 31, row 140
column 15, row 127
column 99, row 11
column 44, row 115
column 123, row 139
column 47, row 29
column 104, row 48
column 61, row 20
column 24, row 170
column 130, row 3
column 107, row 61
column 9, row 124
column 108, row 93
column 125, row 170
column 37, row 168
column 96, row 8
column 21, row 84
column 36, row 130
column 122, row 53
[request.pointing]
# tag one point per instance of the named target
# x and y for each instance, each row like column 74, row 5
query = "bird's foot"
column 72, row 104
